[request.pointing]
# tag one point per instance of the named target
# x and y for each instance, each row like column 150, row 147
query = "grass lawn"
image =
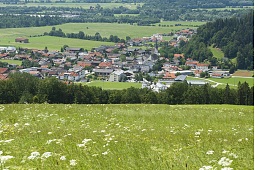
column 78, row 5
column 17, row 62
column 113, row 85
column 7, row 36
column 233, row 81
column 126, row 136
column 216, row 52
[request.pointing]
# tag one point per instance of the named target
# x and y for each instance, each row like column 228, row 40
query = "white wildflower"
column 233, row 155
column 225, row 161
column 34, row 155
column 46, row 155
column 86, row 140
column 205, row 167
column 81, row 145
column 209, row 152
column 3, row 159
column 49, row 133
column 26, row 124
column 62, row 158
column 73, row 162
column 105, row 153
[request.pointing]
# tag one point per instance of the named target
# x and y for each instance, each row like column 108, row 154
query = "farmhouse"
column 21, row 40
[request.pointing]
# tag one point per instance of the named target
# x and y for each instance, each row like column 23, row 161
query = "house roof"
column 103, row 70
column 180, row 78
column 3, row 70
column 202, row 64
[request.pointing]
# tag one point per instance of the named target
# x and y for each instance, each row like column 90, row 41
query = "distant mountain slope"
column 235, row 36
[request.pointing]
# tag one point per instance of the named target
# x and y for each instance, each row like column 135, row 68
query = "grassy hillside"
column 216, row 52
column 126, row 136
column 7, row 36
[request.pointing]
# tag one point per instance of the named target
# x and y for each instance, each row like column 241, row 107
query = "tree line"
column 82, row 35
column 25, row 88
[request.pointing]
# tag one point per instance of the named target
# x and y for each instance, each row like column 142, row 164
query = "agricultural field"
column 106, row 85
column 77, row 5
column 244, row 73
column 8, row 35
column 126, row 136
column 17, row 62
column 221, row 83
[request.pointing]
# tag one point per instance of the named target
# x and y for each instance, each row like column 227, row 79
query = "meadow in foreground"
column 126, row 137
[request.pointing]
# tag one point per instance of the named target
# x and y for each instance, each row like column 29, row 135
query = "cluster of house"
column 106, row 64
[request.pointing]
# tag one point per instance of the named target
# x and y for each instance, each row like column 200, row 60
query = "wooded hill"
column 234, row 36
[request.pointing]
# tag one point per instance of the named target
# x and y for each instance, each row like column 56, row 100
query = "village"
column 121, row 62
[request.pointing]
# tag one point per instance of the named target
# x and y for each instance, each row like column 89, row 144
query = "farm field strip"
column 126, row 136
column 77, row 5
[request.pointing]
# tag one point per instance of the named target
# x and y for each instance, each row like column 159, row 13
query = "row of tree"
column 25, row 88
column 82, row 35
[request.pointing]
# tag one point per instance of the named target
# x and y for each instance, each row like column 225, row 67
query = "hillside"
column 234, row 36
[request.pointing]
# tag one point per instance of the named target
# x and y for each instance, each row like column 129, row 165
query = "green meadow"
column 77, row 5
column 222, row 82
column 8, row 35
column 106, row 85
column 216, row 52
column 126, row 136
column 17, row 62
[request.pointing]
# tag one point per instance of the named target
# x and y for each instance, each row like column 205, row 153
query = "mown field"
column 221, row 83
column 17, row 62
column 113, row 85
column 126, row 136
column 77, row 5
column 7, row 36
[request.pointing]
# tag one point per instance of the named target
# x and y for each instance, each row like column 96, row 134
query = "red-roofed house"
column 202, row 66
column 105, row 64
column 178, row 56
column 3, row 77
column 3, row 70
column 169, row 75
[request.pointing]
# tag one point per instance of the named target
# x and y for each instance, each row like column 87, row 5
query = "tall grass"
column 126, row 136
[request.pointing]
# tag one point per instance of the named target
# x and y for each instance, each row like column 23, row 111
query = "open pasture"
column 126, row 136
column 113, row 85
column 8, row 35
column 77, row 5
column 17, row 62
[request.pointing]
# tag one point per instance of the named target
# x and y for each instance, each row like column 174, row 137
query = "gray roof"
column 195, row 82
column 103, row 70
column 180, row 78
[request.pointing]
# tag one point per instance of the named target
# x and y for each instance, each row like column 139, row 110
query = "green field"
column 78, row 5
column 234, row 80
column 126, row 136
column 227, row 8
column 221, row 83
column 186, row 24
column 216, row 52
column 113, row 85
column 17, row 62
column 7, row 36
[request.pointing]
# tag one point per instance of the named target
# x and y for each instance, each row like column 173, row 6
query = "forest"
column 25, row 88
column 234, row 36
